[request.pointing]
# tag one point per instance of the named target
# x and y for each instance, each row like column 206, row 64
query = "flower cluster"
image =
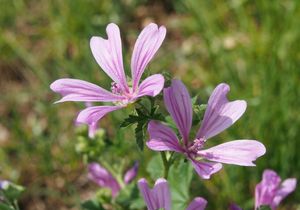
column 219, row 115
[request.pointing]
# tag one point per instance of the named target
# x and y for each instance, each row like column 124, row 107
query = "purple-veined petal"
column 158, row 197
column 265, row 191
column 147, row 194
column 220, row 113
column 198, row 203
column 103, row 178
column 234, row 207
column 206, row 169
column 162, row 138
column 178, row 103
column 151, row 86
column 162, row 193
column 147, row 44
column 286, row 187
column 239, row 152
column 79, row 90
column 92, row 115
column 108, row 54
column 131, row 173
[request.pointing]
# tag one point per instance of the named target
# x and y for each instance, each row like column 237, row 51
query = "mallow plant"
column 181, row 148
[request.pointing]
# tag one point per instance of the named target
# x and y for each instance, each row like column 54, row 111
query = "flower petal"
column 206, row 169
column 220, row 113
column 178, row 103
column 108, row 54
column 158, row 197
column 265, row 190
column 287, row 187
column 162, row 138
column 234, row 207
column 92, row 115
column 103, row 178
column 198, row 203
column 151, row 86
column 162, row 193
column 131, row 173
column 147, row 194
column 93, row 129
column 147, row 44
column 239, row 152
column 79, row 90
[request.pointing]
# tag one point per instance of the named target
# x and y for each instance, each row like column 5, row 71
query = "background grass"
column 251, row 45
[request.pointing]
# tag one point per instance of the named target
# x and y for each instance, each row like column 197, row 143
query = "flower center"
column 129, row 96
column 197, row 145
column 116, row 88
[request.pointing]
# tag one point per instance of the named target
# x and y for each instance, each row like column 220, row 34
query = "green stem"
column 166, row 164
column 16, row 205
column 114, row 173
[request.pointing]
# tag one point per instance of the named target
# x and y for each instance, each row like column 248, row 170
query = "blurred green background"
column 251, row 45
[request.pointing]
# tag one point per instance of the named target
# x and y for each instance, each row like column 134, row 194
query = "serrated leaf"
column 142, row 113
column 158, row 116
column 140, row 135
column 155, row 167
column 131, row 119
column 180, row 177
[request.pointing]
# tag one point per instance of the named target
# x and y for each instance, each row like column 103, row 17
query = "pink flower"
column 160, row 197
column 131, row 173
column 108, row 54
column 271, row 191
column 104, row 178
column 219, row 115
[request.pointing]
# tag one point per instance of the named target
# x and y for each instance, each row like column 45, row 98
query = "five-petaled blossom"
column 271, row 191
column 108, row 54
column 219, row 115
column 160, row 197
column 104, row 178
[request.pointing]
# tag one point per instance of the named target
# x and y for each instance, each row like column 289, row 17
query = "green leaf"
column 168, row 78
column 146, row 105
column 180, row 177
column 131, row 119
column 170, row 122
column 138, row 203
column 155, row 167
column 140, row 134
column 13, row 191
column 194, row 100
column 128, row 195
column 91, row 205
column 5, row 207
column 142, row 113
column 199, row 111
